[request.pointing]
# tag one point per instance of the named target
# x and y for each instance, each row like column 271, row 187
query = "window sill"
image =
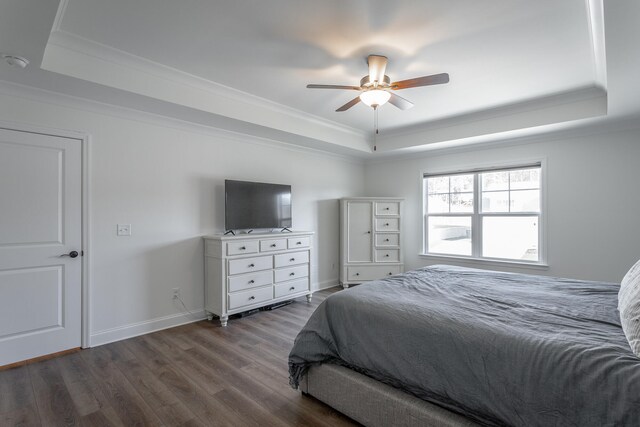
column 486, row 261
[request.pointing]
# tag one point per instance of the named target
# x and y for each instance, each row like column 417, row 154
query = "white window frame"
column 476, row 215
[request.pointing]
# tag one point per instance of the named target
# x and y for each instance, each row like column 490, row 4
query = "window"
column 492, row 214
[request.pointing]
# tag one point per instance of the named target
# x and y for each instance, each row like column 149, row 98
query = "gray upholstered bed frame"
column 373, row 403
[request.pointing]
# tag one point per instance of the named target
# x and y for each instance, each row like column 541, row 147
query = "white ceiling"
column 497, row 52
column 517, row 68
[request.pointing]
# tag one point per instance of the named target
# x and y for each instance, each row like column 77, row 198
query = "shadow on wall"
column 327, row 240
column 178, row 264
column 209, row 201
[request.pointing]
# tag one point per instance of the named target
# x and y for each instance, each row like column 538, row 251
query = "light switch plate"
column 124, row 230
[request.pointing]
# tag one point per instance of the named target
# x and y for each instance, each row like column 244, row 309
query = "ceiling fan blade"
column 436, row 79
column 377, row 68
column 400, row 102
column 333, row 87
column 349, row 104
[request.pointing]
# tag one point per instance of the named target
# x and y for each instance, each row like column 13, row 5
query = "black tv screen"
column 256, row 205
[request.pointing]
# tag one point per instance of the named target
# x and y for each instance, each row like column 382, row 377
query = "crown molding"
column 82, row 58
column 582, row 128
column 57, row 99
column 580, row 103
column 595, row 15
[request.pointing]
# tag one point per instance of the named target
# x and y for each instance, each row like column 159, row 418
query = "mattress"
column 499, row 348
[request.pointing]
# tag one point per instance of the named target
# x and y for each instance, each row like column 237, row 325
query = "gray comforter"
column 500, row 348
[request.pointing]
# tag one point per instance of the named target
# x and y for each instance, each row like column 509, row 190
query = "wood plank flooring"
column 193, row 375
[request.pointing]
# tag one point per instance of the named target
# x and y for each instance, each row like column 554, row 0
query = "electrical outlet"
column 124, row 230
column 175, row 293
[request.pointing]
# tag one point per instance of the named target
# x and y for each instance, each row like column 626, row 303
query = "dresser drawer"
column 387, row 208
column 291, row 273
column 371, row 272
column 247, row 265
column 291, row 287
column 273, row 245
column 291, row 258
column 253, row 296
column 239, row 248
column 387, row 224
column 298, row 242
column 390, row 239
column 387, row 255
column 249, row 281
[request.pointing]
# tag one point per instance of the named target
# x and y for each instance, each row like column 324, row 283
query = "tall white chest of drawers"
column 370, row 239
column 247, row 271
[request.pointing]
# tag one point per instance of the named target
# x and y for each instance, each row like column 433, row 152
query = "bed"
column 455, row 346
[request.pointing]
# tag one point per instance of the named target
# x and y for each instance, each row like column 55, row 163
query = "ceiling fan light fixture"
column 375, row 97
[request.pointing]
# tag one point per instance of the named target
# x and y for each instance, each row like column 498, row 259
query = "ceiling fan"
column 376, row 88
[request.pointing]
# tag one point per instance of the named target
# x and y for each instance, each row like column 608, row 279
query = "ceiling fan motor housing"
column 366, row 83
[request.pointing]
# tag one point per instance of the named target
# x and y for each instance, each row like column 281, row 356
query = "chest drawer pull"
column 386, row 255
column 292, row 259
column 386, row 240
column 273, row 245
column 242, row 248
column 252, row 281
column 298, row 243
column 252, row 265
column 390, row 274
column 252, row 297
column 386, row 224
column 293, row 288
column 292, row 274
column 357, row 274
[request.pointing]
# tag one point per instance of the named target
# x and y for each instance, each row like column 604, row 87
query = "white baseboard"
column 145, row 327
column 326, row 284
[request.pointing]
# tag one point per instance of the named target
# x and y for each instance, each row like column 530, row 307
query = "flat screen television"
column 253, row 205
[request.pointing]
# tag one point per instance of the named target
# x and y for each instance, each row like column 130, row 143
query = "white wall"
column 167, row 180
column 593, row 201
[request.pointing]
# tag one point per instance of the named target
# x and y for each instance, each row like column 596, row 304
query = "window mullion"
column 476, row 235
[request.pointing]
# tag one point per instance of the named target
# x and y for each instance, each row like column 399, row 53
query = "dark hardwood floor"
column 194, row 375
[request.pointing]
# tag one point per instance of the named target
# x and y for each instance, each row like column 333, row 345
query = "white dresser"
column 250, row 271
column 370, row 239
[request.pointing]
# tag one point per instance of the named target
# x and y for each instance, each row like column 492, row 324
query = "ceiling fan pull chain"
column 375, row 127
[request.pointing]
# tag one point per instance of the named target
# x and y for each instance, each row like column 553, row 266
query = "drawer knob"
column 386, row 209
column 368, row 232
column 292, row 274
column 242, row 248
column 252, row 265
column 293, row 288
column 387, row 255
column 252, row 297
column 273, row 245
column 357, row 274
column 390, row 274
column 386, row 240
column 298, row 243
column 252, row 281
column 386, row 224
column 292, row 259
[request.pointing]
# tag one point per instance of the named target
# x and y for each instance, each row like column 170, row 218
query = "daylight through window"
column 484, row 214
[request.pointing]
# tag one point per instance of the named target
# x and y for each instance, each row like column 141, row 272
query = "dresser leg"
column 345, row 285
column 209, row 316
column 309, row 297
column 223, row 320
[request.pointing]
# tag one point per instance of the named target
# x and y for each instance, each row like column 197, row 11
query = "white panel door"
column 359, row 219
column 40, row 232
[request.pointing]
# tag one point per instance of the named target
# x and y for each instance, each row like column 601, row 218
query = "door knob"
column 71, row 254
